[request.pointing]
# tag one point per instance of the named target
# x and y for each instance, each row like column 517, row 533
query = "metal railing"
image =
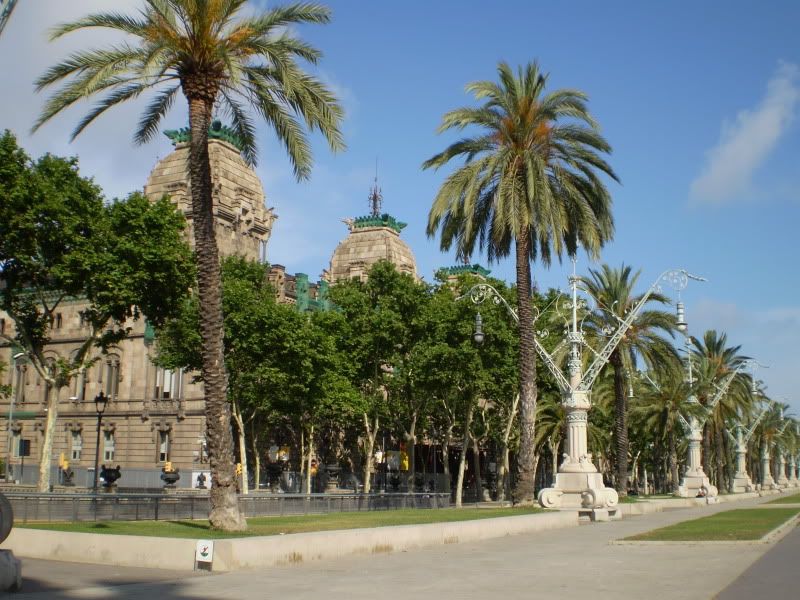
column 32, row 507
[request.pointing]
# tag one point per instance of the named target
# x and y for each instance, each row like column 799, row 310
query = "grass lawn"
column 793, row 499
column 730, row 525
column 281, row 525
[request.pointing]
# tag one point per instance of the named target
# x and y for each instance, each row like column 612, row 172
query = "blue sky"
column 699, row 101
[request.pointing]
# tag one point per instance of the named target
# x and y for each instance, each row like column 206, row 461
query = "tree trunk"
column 706, row 460
column 237, row 418
column 369, row 451
column 462, row 459
column 525, row 482
column 673, row 462
column 503, row 482
column 620, row 424
column 256, row 456
column 310, row 447
column 45, row 459
column 411, row 450
column 719, row 444
column 225, row 513
column 476, row 466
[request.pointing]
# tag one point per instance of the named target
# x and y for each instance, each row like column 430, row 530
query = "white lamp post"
column 578, row 484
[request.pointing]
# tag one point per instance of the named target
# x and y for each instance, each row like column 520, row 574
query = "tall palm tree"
column 714, row 360
column 531, row 180
column 661, row 407
column 612, row 291
column 213, row 55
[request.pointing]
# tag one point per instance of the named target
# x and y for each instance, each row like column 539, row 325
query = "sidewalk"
column 566, row 563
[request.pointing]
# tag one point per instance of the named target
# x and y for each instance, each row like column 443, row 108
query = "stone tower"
column 243, row 223
column 372, row 238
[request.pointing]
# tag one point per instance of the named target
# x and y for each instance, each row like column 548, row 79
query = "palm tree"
column 211, row 54
column 661, row 408
column 714, row 360
column 612, row 291
column 530, row 178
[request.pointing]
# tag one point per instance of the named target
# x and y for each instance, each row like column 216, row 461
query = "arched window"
column 110, row 376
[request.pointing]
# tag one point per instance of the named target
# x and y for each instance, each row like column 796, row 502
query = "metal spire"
column 375, row 196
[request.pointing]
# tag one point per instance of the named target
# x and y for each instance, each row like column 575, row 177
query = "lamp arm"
column 684, row 422
column 752, row 429
column 677, row 277
column 482, row 292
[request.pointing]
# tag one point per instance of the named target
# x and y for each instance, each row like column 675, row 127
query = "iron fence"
column 31, row 507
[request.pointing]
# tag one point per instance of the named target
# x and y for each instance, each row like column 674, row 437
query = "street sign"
column 204, row 551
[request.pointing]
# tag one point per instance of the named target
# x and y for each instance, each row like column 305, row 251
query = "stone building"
column 155, row 415
column 371, row 238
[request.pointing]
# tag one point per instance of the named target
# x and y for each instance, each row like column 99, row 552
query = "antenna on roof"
column 375, row 196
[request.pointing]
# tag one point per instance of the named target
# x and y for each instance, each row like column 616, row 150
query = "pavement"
column 566, row 563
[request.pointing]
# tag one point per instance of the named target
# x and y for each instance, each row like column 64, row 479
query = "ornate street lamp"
column 100, row 404
column 578, row 484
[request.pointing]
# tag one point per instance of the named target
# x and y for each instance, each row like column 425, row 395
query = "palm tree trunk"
column 673, row 461
column 620, row 424
column 720, row 459
column 707, row 450
column 526, row 481
column 225, row 513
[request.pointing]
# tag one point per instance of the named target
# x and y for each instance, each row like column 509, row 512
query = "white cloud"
column 105, row 148
column 747, row 142
column 769, row 335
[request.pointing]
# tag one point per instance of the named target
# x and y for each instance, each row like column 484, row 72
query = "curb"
column 235, row 554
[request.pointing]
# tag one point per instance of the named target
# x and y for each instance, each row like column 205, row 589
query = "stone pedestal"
column 578, row 485
column 793, row 472
column 782, row 480
column 695, row 482
column 767, row 482
column 10, row 572
column 741, row 481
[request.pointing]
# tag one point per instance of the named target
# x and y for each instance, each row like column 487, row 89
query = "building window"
column 59, row 321
column 168, row 384
column 15, row 439
column 163, row 446
column 77, row 445
column 108, row 445
column 79, row 384
column 2, row 326
column 112, row 377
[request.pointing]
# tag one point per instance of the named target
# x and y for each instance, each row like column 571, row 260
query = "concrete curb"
column 255, row 552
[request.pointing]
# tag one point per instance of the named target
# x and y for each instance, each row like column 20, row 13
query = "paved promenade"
column 566, row 563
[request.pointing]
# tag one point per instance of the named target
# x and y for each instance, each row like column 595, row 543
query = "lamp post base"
column 742, row 484
column 584, row 492
column 697, row 485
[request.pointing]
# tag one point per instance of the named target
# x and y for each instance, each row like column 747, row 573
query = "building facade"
column 154, row 415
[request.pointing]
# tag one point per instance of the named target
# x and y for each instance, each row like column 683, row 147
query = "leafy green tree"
column 58, row 240
column 613, row 293
column 214, row 56
column 279, row 361
column 530, row 180
column 377, row 329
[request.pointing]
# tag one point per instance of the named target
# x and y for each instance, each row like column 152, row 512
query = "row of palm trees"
column 533, row 180
column 645, row 393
